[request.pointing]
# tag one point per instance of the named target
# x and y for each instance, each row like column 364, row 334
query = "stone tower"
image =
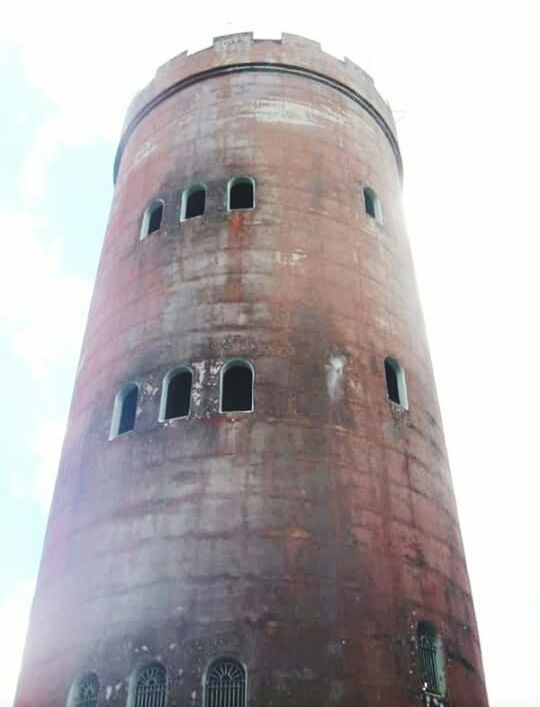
column 254, row 505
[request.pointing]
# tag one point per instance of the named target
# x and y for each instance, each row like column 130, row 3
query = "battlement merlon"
column 291, row 51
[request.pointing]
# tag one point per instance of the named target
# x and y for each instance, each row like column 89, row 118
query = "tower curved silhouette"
column 254, row 504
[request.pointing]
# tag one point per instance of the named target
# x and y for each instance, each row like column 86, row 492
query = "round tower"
column 254, row 506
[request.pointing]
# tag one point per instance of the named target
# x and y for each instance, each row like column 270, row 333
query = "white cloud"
column 47, row 447
column 34, row 177
column 37, row 486
column 41, row 308
column 13, row 619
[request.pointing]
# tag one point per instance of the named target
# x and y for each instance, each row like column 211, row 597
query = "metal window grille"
column 226, row 685
column 151, row 687
column 86, row 692
column 428, row 658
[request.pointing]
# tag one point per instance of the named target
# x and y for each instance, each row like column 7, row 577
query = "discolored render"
column 309, row 537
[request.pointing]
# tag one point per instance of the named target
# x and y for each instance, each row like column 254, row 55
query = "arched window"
column 237, row 387
column 225, row 684
column 84, row 692
column 241, row 193
column 431, row 661
column 125, row 410
column 152, row 218
column 176, row 394
column 193, row 201
column 151, row 686
column 396, row 387
column 372, row 204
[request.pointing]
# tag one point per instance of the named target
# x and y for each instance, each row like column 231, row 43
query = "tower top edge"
column 233, row 52
column 244, row 47
column 230, row 42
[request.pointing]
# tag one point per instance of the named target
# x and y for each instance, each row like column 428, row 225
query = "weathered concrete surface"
column 308, row 537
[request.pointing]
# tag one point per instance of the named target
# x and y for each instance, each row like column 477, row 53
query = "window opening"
column 151, row 686
column 241, row 193
column 372, row 204
column 125, row 410
column 237, row 387
column 177, row 392
column 194, row 202
column 430, row 658
column 85, row 691
column 152, row 218
column 396, row 388
column 225, row 684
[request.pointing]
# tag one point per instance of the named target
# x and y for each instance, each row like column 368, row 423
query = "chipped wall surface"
column 308, row 538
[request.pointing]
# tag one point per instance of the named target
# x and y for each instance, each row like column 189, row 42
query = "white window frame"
column 226, row 366
column 244, row 179
column 188, row 191
column 165, row 393
column 401, row 382
column 145, row 225
column 378, row 217
column 117, row 409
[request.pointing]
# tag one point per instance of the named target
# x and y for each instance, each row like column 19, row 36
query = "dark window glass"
column 195, row 203
column 225, row 684
column 128, row 410
column 392, row 385
column 156, row 214
column 237, row 388
column 178, row 395
column 241, row 194
column 370, row 202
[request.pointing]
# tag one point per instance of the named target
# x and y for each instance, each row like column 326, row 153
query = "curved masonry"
column 217, row 72
column 311, row 541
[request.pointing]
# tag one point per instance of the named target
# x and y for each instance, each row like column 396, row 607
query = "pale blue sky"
column 462, row 79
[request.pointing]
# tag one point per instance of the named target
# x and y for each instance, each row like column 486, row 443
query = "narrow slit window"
column 151, row 686
column 237, row 387
column 372, row 204
column 431, row 662
column 152, row 218
column 125, row 410
column 241, row 193
column 176, row 396
column 396, row 387
column 194, row 202
column 84, row 692
column 225, row 684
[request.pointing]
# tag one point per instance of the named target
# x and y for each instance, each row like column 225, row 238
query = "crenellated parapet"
column 241, row 53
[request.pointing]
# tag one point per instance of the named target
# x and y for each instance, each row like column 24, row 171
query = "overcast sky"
column 462, row 79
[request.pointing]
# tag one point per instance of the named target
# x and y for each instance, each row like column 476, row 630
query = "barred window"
column 151, row 686
column 84, row 692
column 431, row 667
column 225, row 684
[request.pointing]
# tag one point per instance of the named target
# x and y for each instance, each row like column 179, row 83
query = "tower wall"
column 309, row 537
